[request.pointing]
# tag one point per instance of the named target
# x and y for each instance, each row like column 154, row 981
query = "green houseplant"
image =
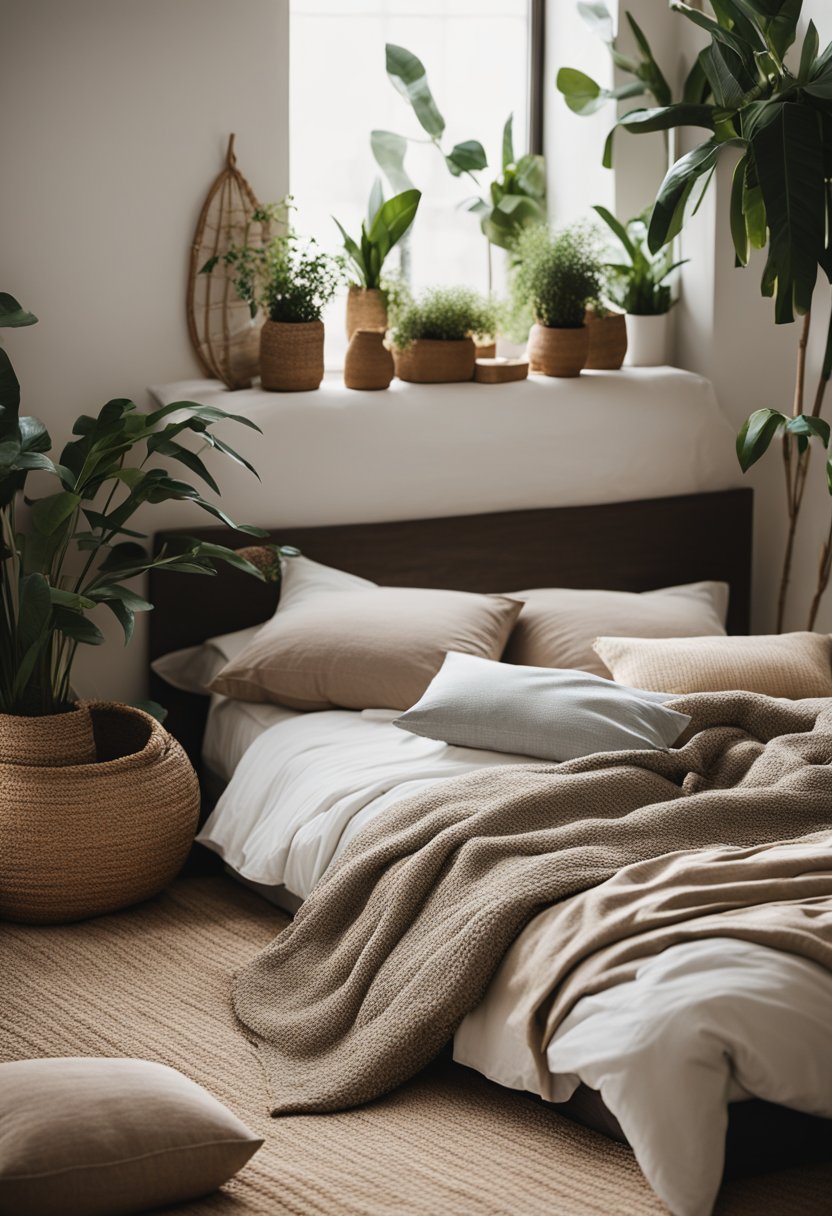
column 433, row 335
column 773, row 106
column 637, row 283
column 97, row 804
column 560, row 275
column 387, row 222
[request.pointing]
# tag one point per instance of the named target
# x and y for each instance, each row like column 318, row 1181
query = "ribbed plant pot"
column 89, row 836
column 649, row 340
column 432, row 361
column 558, row 352
column 607, row 341
column 368, row 363
column 292, row 356
column 366, row 309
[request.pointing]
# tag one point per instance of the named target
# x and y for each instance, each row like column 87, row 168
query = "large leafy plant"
column 387, row 222
column 775, row 108
column 638, row 284
column 73, row 550
column 516, row 200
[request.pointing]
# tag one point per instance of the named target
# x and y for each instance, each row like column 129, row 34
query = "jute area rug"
column 154, row 982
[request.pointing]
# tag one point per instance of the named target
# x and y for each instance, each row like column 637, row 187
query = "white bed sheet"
column 232, row 727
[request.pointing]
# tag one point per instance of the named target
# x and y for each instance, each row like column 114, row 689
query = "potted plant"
column 98, row 804
column 774, row 106
column 387, row 223
column 559, row 275
column 433, row 335
column 639, row 285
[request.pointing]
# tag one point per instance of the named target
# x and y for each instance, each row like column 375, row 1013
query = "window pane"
column 476, row 56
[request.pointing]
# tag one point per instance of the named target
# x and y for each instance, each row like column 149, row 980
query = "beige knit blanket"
column 400, row 939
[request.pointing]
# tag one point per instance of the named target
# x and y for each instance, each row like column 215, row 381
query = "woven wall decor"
column 224, row 337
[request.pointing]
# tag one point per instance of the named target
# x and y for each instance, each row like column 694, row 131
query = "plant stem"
column 795, row 477
column 824, row 570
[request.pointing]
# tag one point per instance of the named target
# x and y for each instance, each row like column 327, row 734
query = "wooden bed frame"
column 632, row 546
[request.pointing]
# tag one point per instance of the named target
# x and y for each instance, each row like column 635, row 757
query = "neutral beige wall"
column 116, row 118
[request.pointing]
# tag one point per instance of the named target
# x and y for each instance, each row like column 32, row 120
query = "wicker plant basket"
column 486, row 350
column 225, row 339
column 607, row 341
column 87, row 838
column 429, row 361
column 368, row 364
column 366, row 309
column 51, row 741
column 559, row 352
column 292, row 356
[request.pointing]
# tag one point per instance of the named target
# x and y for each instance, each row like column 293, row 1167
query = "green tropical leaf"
column 508, row 143
column 35, row 609
column 617, row 228
column 664, row 118
column 12, row 315
column 69, row 599
column 756, row 435
column 49, row 514
column 583, row 95
column 466, row 157
column 392, row 221
column 409, row 77
column 649, row 71
column 389, row 151
column 668, row 214
column 76, row 627
column 9, row 395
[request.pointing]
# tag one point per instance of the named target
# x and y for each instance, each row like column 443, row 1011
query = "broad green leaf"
column 617, row 228
column 811, row 46
column 781, row 24
column 696, row 89
column 176, row 451
column 665, row 118
column 739, row 226
column 466, row 157
column 69, row 599
column 12, row 315
column 35, row 609
column 9, row 395
column 228, row 451
column 114, row 591
column 409, row 77
column 77, row 627
column 669, row 210
column 354, row 253
column 756, row 434
column 389, row 151
column 51, row 513
column 583, row 95
column 125, row 616
column 730, row 80
column 531, row 176
column 508, row 142
column 206, row 413
column 649, row 71
column 392, row 221
column 732, row 14
column 599, row 19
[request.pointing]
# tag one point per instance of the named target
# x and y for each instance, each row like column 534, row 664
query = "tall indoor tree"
column 772, row 106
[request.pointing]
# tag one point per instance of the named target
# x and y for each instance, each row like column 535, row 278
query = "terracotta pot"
column 366, row 309
column 112, row 828
column 607, row 341
column 292, row 356
column 369, row 364
column 649, row 340
column 558, row 352
column 430, row 361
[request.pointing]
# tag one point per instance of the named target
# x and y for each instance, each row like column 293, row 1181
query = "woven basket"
column 558, row 352
column 88, row 838
column 429, row 361
column 292, row 356
column 486, row 350
column 52, row 741
column 368, row 364
column 607, row 341
column 366, row 309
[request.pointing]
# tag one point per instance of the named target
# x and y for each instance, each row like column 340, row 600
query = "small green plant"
column 639, row 284
column 558, row 275
column 444, row 314
column 287, row 275
column 387, row 222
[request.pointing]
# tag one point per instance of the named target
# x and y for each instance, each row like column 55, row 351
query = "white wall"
column 117, row 115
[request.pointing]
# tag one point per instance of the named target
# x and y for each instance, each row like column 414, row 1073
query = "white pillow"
column 193, row 668
column 543, row 712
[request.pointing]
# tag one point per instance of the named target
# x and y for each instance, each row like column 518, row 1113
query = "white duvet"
column 702, row 1024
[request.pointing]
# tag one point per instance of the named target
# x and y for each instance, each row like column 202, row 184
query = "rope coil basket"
column 558, row 352
column 91, row 837
column 223, row 334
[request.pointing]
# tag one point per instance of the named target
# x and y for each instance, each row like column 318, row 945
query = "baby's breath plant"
column 559, row 275
column 442, row 313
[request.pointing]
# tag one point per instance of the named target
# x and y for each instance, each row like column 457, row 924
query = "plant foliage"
column 516, row 200
column 442, row 313
column 385, row 227
column 639, row 283
column 76, row 550
column 559, row 275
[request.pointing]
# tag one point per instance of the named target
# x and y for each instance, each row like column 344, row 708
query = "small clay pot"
column 369, row 364
column 607, row 341
column 291, row 356
column 366, row 309
column 434, row 361
column 558, row 352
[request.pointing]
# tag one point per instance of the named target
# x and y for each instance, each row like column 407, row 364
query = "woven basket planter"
column 429, row 361
column 558, row 352
column 100, row 834
column 368, row 364
column 292, row 356
column 607, row 341
column 366, row 309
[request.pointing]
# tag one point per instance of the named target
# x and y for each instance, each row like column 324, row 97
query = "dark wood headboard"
column 632, row 546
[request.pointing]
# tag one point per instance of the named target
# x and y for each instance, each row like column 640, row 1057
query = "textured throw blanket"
column 400, row 939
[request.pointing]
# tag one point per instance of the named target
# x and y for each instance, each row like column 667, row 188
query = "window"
column 476, row 53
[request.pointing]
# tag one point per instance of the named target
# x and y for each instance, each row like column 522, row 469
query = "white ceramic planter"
column 648, row 340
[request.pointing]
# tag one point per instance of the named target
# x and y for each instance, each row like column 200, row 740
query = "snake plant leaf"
column 12, row 314
column 407, row 72
column 389, row 150
column 756, row 435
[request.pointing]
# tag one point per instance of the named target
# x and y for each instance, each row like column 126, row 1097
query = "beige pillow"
column 101, row 1137
column 338, row 640
column 558, row 626
column 783, row 665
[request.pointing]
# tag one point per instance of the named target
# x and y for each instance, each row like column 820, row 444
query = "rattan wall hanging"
column 225, row 338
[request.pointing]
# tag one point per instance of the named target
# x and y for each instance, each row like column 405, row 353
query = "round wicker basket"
column 366, row 309
column 292, row 356
column 431, row 361
column 51, row 741
column 559, row 352
column 91, row 837
column 607, row 341
column 369, row 364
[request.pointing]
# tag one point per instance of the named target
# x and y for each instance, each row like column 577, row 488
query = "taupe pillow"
column 558, row 625
column 101, row 1137
column 337, row 640
column 791, row 665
